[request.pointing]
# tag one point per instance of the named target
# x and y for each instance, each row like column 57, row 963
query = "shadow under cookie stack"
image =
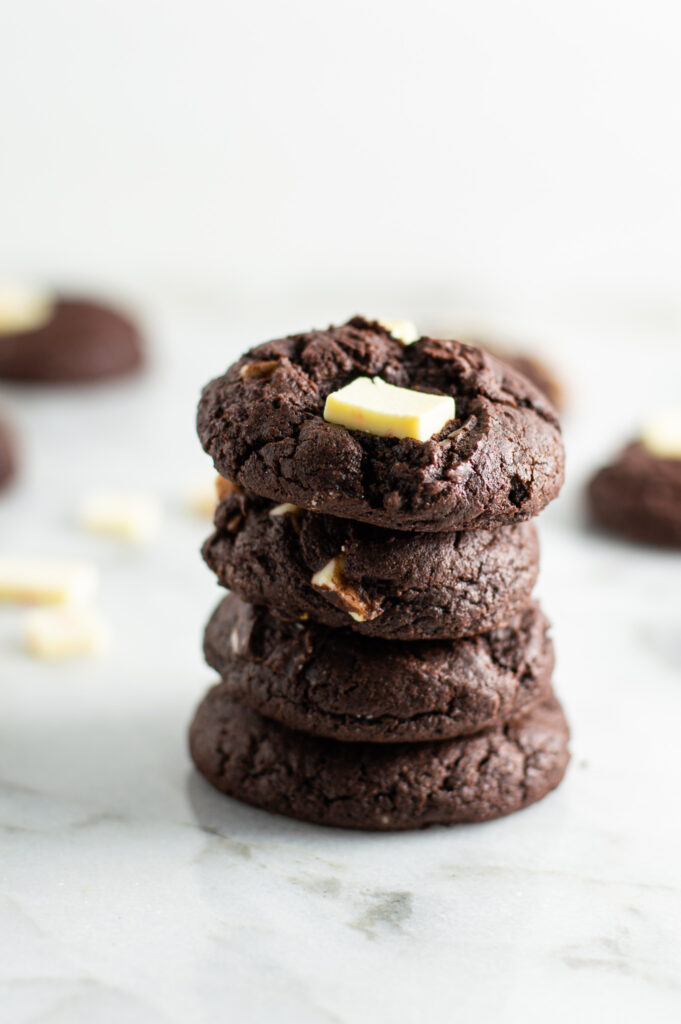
column 383, row 663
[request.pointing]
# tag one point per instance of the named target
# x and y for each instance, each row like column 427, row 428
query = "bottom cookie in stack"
column 360, row 732
column 379, row 786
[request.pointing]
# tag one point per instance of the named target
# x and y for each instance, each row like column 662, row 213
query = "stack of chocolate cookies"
column 383, row 663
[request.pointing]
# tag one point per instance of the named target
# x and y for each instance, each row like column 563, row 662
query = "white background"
column 247, row 151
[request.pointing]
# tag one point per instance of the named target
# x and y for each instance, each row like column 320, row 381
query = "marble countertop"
column 129, row 891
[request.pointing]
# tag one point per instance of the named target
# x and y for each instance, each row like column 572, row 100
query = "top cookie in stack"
column 393, row 671
column 500, row 460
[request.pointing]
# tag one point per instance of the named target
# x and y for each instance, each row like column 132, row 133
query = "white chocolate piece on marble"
column 388, row 411
column 661, row 434
column 402, row 330
column 36, row 581
column 134, row 518
column 55, row 633
column 23, row 308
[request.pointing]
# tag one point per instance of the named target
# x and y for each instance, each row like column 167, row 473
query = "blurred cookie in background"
column 514, row 354
column 639, row 495
column 7, row 456
column 52, row 338
column 536, row 370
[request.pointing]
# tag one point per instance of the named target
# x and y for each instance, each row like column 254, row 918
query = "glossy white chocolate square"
column 385, row 410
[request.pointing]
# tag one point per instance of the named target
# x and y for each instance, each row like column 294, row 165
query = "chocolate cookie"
column 541, row 375
column 6, row 457
column 79, row 341
column 335, row 683
column 500, row 461
column 380, row 582
column 373, row 787
column 639, row 496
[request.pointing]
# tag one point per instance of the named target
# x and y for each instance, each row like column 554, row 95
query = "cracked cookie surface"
column 500, row 461
column 338, row 684
column 374, row 787
column 406, row 585
column 81, row 341
column 639, row 497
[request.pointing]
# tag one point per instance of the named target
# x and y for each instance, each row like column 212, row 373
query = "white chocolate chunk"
column 23, row 308
column 287, row 509
column 32, row 581
column 330, row 577
column 388, row 411
column 661, row 434
column 54, row 633
column 132, row 517
column 402, row 330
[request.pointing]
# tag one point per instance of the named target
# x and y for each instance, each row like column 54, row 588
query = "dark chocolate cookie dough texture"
column 49, row 338
column 382, row 662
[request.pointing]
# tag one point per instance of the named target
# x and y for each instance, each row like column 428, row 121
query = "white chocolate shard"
column 286, row 509
column 23, row 308
column 55, row 633
column 330, row 577
column 388, row 411
column 134, row 518
column 402, row 330
column 41, row 581
column 661, row 434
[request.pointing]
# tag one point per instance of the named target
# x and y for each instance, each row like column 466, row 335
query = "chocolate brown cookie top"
column 372, row 787
column 7, row 457
column 500, row 461
column 375, row 581
column 639, row 496
column 79, row 341
column 331, row 682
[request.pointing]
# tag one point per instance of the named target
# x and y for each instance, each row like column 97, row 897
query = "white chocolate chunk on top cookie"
column 34, row 581
column 661, row 434
column 23, row 308
column 388, row 411
column 132, row 517
column 402, row 330
column 54, row 633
